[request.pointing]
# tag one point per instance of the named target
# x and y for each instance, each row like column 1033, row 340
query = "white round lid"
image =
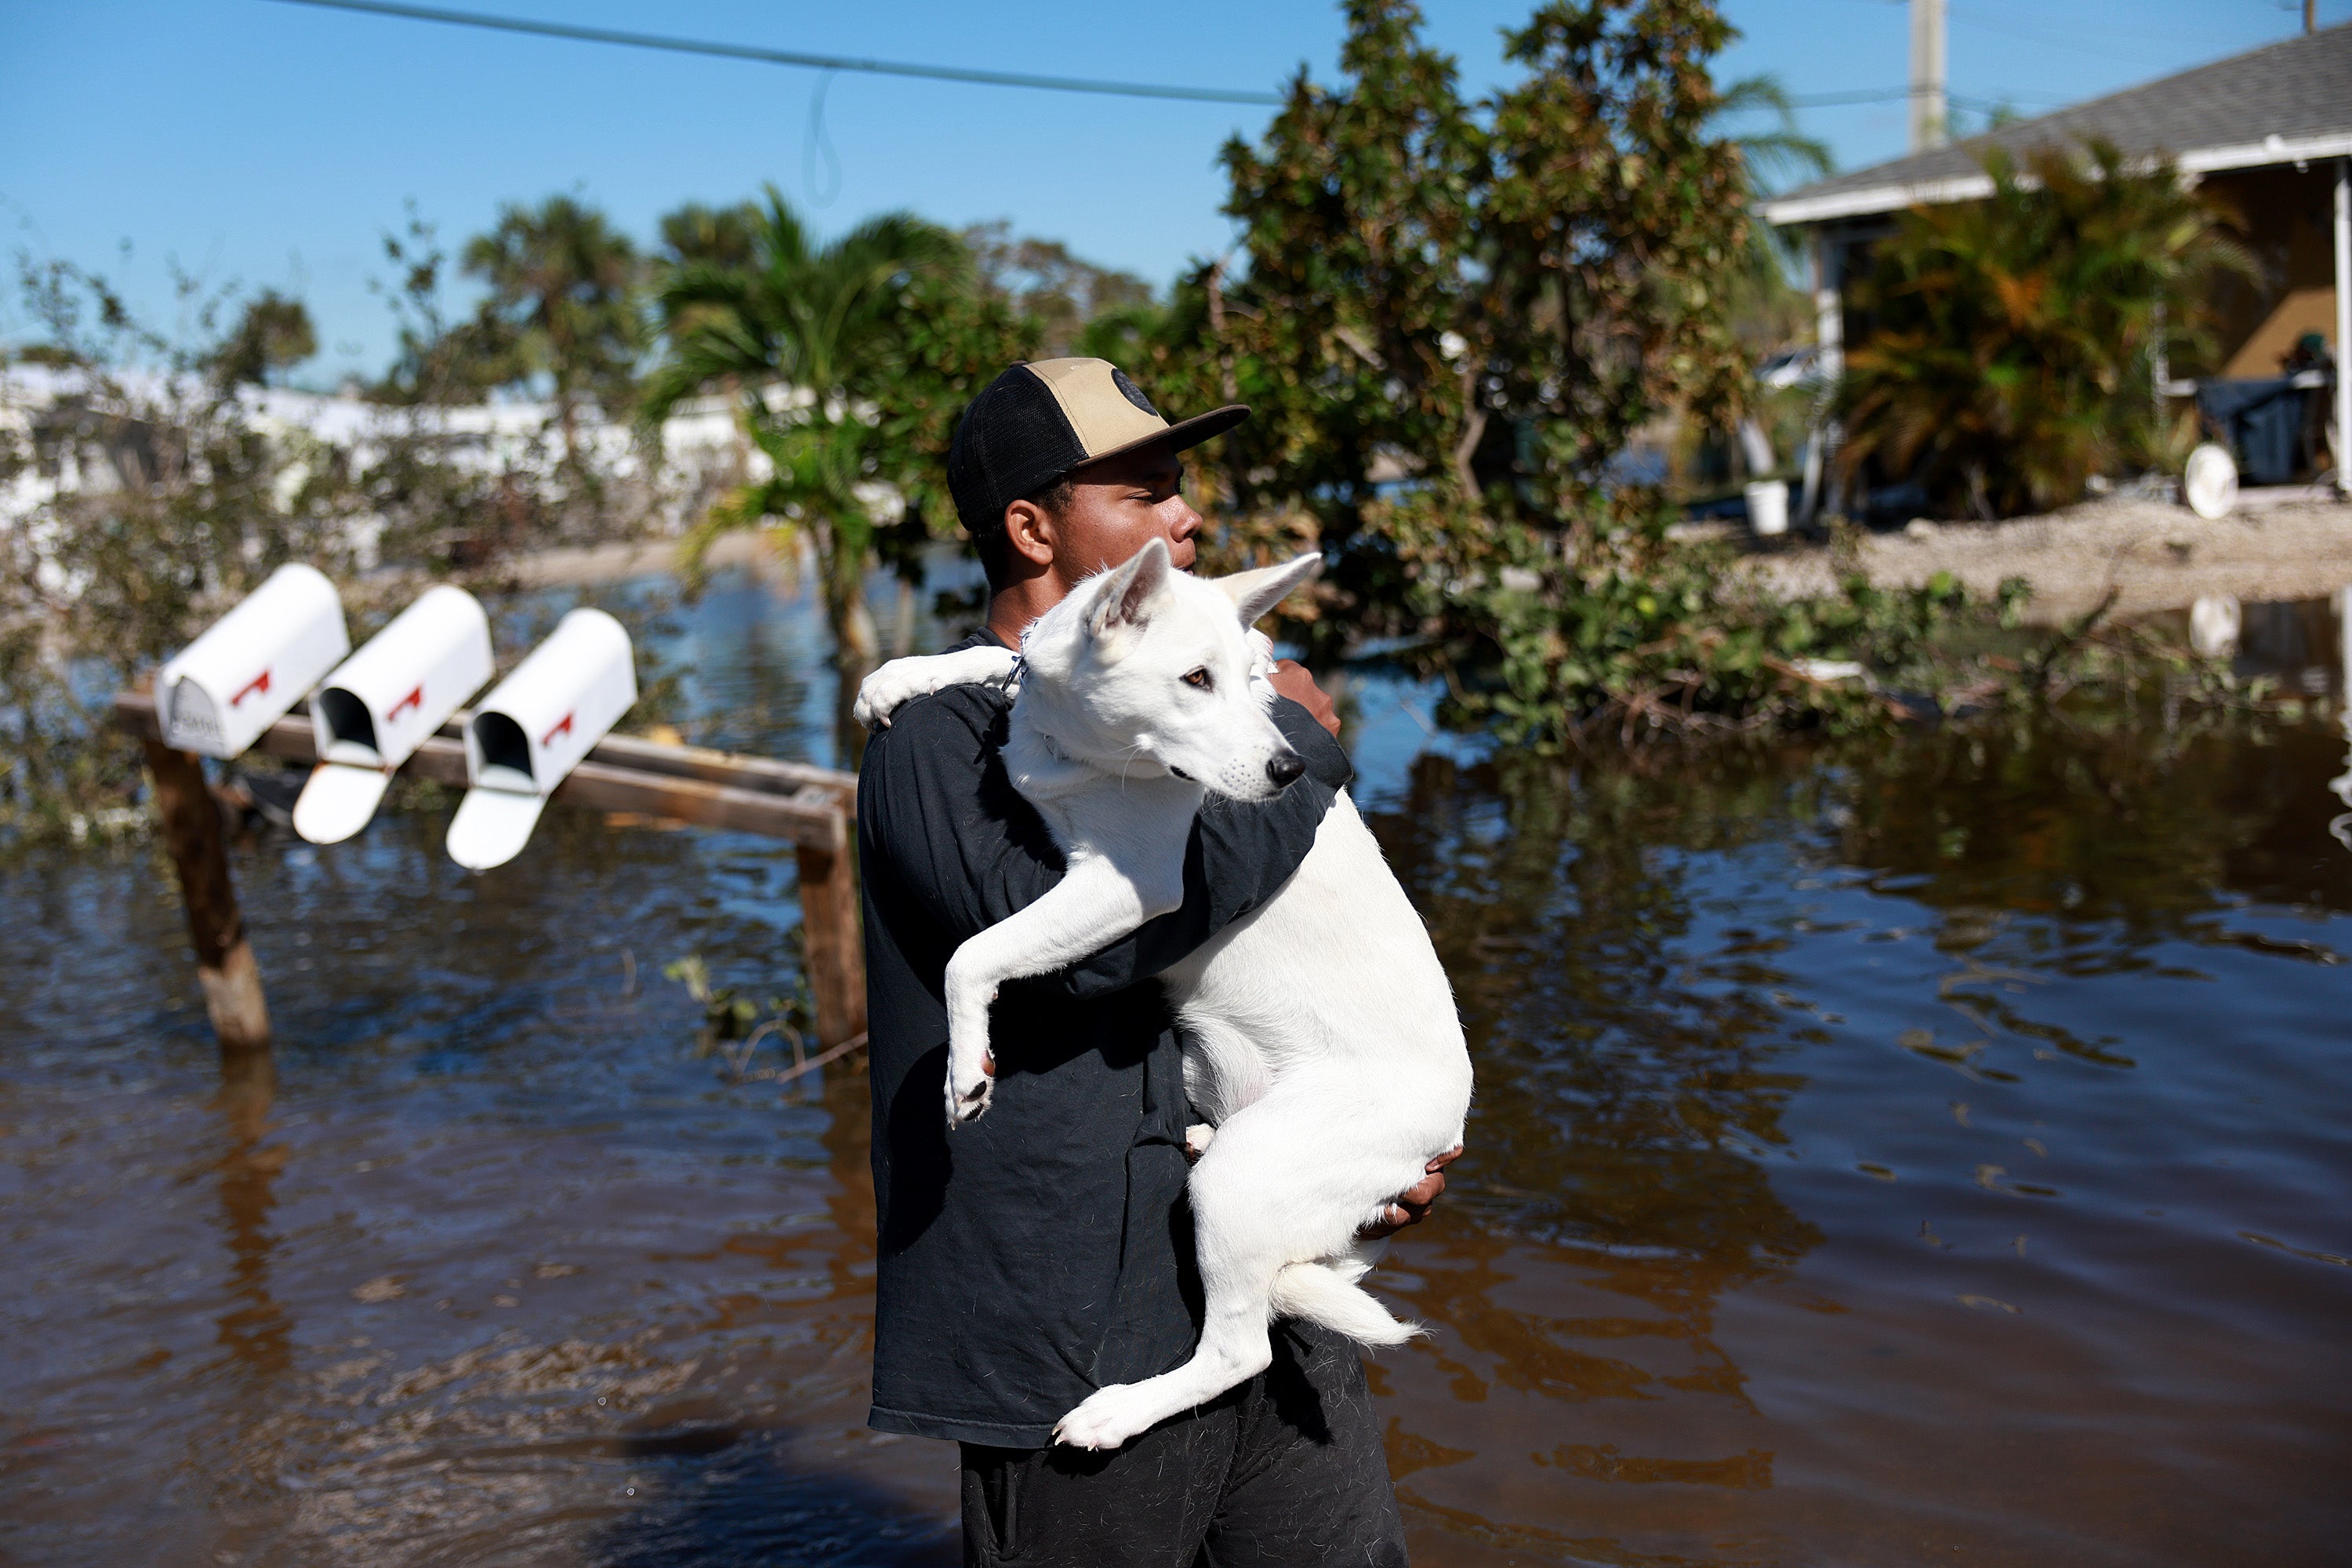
column 2209, row 484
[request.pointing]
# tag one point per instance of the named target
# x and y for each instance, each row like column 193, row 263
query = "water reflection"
column 1707, row 1202
column 255, row 1331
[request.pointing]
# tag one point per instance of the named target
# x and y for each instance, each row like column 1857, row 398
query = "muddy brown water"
column 1932, row 1152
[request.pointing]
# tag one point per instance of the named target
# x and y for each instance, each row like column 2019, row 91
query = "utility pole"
column 1929, row 109
column 2310, row 15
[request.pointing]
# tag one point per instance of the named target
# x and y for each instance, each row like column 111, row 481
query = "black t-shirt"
column 1044, row 1250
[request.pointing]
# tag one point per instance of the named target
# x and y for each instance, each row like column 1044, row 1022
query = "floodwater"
column 1930, row 1152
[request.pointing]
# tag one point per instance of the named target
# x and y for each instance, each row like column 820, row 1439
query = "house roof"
column 2282, row 103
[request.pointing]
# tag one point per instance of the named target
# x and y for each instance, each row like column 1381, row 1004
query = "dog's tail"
column 1327, row 1293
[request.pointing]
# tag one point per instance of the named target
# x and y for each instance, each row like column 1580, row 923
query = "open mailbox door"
column 220, row 693
column 535, row 728
column 385, row 700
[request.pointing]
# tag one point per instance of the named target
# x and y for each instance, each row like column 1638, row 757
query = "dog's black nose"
column 1284, row 767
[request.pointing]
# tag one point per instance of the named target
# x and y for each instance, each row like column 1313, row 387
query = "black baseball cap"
column 1036, row 422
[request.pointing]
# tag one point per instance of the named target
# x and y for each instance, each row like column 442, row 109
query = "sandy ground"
column 2161, row 556
column 619, row 562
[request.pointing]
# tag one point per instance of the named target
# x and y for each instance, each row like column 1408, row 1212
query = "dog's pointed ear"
column 1255, row 593
column 1125, row 598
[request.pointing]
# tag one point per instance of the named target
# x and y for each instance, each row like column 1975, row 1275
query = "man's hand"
column 1290, row 679
column 1413, row 1204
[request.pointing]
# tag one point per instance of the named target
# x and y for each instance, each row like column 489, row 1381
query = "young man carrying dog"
column 1045, row 1249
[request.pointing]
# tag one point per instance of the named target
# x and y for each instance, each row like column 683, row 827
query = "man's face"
column 1120, row 505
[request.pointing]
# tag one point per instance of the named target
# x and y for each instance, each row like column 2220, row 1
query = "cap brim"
column 1178, row 437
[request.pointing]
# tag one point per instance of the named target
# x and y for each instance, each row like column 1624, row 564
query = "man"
column 1046, row 1250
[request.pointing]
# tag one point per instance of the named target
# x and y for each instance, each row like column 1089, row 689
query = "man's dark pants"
column 1289, row 1469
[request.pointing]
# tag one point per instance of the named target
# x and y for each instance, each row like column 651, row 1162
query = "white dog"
column 1321, row 1038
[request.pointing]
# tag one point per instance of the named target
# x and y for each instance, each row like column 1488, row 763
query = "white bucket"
column 1768, row 508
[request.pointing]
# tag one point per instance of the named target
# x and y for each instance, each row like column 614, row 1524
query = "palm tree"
column 718, row 235
column 1765, row 308
column 812, row 336
column 563, row 283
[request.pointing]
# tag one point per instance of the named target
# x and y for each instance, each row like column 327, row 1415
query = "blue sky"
column 266, row 144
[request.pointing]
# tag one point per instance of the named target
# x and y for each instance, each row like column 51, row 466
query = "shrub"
column 2007, row 348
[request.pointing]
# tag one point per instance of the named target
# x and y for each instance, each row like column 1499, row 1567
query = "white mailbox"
column 384, row 701
column 255, row 663
column 535, row 728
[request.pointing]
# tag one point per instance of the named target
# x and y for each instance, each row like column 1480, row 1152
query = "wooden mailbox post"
column 814, row 808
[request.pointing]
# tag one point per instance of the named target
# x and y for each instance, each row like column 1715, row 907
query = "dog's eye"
column 1201, row 679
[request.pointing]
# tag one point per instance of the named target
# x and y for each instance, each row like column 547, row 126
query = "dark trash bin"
column 2262, row 419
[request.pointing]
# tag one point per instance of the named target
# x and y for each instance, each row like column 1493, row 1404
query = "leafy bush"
column 1630, row 633
column 2007, row 348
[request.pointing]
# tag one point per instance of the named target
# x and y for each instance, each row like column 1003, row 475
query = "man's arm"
column 937, row 806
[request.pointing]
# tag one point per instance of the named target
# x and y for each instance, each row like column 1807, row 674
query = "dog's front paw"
column 1111, row 1418
column 1196, row 1139
column 885, row 692
column 970, row 1089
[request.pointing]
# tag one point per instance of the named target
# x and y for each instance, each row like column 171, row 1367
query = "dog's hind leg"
column 1234, row 1348
column 1263, row 1198
column 1223, row 1073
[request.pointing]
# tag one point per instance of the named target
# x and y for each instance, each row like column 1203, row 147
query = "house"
column 2270, row 132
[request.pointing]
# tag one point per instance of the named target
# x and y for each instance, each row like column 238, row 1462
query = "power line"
column 792, row 57
column 1892, row 95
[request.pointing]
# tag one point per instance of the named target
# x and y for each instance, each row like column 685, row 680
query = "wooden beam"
column 811, row 807
column 807, row 806
column 833, row 942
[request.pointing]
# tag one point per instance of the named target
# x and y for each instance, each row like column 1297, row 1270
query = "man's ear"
column 1125, row 598
column 1255, row 593
column 1026, row 532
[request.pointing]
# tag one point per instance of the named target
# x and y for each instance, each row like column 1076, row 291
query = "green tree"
column 1040, row 278
column 272, row 333
column 439, row 359
column 850, row 359
column 1454, row 316
column 714, row 236
column 562, row 285
column 2010, row 343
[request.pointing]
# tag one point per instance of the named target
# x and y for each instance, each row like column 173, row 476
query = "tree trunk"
column 856, row 648
column 568, row 418
column 902, row 635
column 856, row 637
column 1473, row 430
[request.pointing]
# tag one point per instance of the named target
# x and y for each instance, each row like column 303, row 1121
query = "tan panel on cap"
column 1100, row 413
